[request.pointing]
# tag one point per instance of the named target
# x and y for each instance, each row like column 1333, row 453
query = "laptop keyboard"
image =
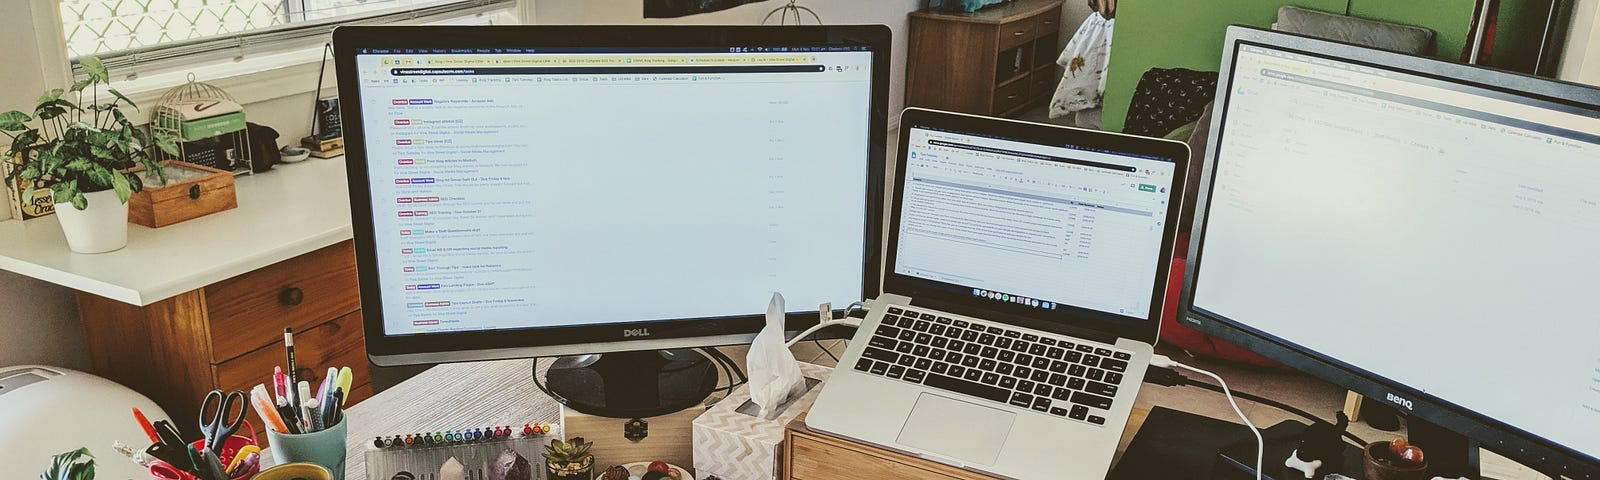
column 1061, row 376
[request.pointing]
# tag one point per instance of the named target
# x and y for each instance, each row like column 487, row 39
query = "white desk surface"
column 288, row 211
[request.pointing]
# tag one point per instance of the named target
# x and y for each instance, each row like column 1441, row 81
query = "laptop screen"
column 1048, row 227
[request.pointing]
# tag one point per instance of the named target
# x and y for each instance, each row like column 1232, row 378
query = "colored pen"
column 309, row 409
column 265, row 409
column 288, row 348
column 144, row 423
column 345, row 379
column 279, row 387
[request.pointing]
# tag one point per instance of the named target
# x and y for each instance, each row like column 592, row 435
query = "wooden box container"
column 668, row 438
column 191, row 191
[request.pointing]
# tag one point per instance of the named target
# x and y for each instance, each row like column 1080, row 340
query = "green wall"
column 1189, row 34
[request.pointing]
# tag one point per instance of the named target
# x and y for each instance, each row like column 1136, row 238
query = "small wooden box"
column 192, row 191
column 670, row 437
column 810, row 455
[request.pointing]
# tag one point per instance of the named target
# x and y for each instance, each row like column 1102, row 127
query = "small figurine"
column 1321, row 448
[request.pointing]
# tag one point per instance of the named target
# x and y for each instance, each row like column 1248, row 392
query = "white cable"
column 853, row 322
column 1261, row 445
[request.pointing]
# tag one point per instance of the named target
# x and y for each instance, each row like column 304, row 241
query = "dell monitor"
column 1418, row 231
column 568, row 191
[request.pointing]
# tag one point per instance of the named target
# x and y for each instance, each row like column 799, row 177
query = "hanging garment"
column 1083, row 82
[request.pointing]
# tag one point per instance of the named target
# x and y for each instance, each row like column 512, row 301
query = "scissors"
column 222, row 423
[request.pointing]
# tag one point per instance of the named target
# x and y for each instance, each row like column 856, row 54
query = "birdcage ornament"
column 208, row 123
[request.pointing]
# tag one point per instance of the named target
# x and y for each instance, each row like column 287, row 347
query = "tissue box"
column 732, row 442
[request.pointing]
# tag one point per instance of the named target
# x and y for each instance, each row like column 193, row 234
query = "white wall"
column 1581, row 60
column 836, row 12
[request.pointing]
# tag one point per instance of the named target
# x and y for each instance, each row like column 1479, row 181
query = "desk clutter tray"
column 493, row 453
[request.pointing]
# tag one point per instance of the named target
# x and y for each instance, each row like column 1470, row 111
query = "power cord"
column 1171, row 378
column 847, row 321
column 1161, row 361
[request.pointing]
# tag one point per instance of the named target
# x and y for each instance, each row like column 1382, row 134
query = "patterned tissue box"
column 732, row 442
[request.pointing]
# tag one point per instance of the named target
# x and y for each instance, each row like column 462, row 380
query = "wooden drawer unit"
column 983, row 62
column 809, row 455
column 229, row 334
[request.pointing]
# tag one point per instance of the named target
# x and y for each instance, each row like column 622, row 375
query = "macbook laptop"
column 1025, row 274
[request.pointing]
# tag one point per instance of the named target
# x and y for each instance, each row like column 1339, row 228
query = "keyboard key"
column 921, row 350
column 921, row 325
column 953, row 357
column 924, row 339
column 885, row 343
column 1022, row 372
column 1096, row 374
column 906, row 360
column 1104, row 352
column 942, row 320
column 1003, row 368
column 1098, row 388
column 991, row 378
column 1022, row 400
column 1041, row 389
column 1113, row 378
column 1002, row 343
column 1091, row 400
column 927, row 316
column 904, row 347
column 1025, row 385
column 887, row 330
column 879, row 354
column 956, row 345
column 897, row 371
column 907, row 335
column 1097, row 420
column 1085, row 348
column 956, row 371
column 936, row 354
column 989, row 352
column 940, row 342
column 970, row 388
column 1024, row 359
column 1058, row 366
column 1059, row 380
column 937, row 330
column 1122, row 356
column 1030, row 337
column 905, row 322
column 972, row 348
column 987, row 365
column 961, row 324
column 1006, row 356
column 1041, row 404
column 1055, row 353
column 879, row 368
column 863, row 364
column 1076, row 383
column 996, row 330
column 913, row 314
column 1019, row 346
column 1008, row 382
column 953, row 333
column 1092, row 361
column 970, row 361
column 939, row 367
column 1041, row 362
column 1012, row 334
column 1039, row 375
column 973, row 374
column 1037, row 349
column 1062, row 394
column 1079, row 412
column 896, row 310
column 923, row 364
column 969, row 336
column 915, row 376
column 1074, row 356
column 1048, row 341
column 1114, row 365
column 1077, row 370
column 1058, row 411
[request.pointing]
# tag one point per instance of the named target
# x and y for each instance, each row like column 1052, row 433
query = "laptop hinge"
column 1107, row 338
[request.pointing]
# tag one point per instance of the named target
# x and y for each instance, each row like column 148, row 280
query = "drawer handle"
column 1049, row 22
column 291, row 296
column 1011, row 97
column 1021, row 33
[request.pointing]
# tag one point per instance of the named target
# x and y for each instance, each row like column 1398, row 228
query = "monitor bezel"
column 386, row 350
column 1512, row 442
column 1070, row 320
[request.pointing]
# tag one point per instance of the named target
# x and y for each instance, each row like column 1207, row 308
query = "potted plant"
column 80, row 151
column 74, row 465
column 569, row 460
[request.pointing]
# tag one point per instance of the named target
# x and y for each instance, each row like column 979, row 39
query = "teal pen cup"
column 325, row 447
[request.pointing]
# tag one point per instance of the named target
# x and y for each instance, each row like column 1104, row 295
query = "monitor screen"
column 1428, row 234
column 520, row 188
column 1045, row 226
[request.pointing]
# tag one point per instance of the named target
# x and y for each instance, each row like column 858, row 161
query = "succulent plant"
column 74, row 465
column 575, row 450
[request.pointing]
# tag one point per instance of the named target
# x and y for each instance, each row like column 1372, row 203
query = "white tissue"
column 774, row 374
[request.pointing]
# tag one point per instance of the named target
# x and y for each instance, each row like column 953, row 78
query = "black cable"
column 723, row 367
column 1170, row 377
column 825, row 350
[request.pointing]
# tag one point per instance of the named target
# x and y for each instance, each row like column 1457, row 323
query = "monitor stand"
column 632, row 384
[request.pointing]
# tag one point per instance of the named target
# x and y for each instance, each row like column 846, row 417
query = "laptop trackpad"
column 955, row 429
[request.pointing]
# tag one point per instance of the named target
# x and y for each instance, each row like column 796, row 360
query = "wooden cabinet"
column 229, row 334
column 996, row 61
column 809, row 455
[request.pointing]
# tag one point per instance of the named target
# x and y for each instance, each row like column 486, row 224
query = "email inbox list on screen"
column 532, row 200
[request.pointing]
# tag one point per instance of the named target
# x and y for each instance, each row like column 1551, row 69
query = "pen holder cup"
column 160, row 470
column 324, row 447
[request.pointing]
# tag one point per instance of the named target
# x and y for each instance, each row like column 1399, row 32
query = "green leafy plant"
column 74, row 465
column 571, row 451
column 76, row 147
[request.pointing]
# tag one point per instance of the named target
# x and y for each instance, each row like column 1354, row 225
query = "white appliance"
column 45, row 411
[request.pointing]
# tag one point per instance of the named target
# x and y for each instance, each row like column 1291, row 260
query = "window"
column 131, row 32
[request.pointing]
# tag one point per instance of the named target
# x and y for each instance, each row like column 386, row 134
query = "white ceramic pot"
column 101, row 228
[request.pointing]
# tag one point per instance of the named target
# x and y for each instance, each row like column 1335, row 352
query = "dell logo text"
column 636, row 332
column 1400, row 401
